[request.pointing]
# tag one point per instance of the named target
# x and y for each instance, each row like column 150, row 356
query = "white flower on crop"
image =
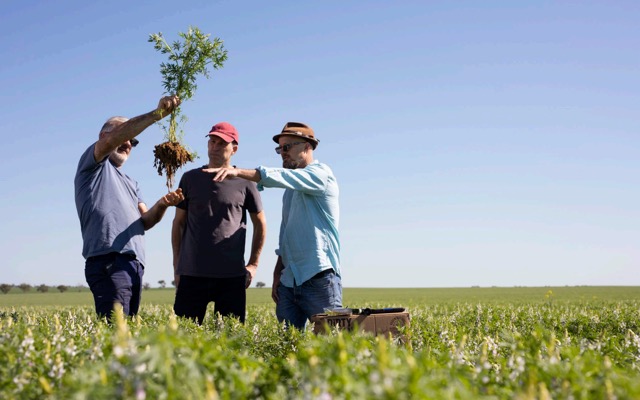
column 141, row 368
column 27, row 342
column 632, row 340
column 71, row 350
column 118, row 351
column 57, row 370
column 492, row 346
column 517, row 367
column 374, row 379
column 27, row 345
column 21, row 381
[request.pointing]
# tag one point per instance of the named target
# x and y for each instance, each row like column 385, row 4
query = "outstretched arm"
column 133, row 127
column 152, row 216
column 223, row 173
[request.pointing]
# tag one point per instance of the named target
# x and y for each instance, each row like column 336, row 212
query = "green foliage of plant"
column 187, row 59
column 577, row 349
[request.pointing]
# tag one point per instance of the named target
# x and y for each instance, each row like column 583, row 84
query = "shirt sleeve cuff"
column 262, row 171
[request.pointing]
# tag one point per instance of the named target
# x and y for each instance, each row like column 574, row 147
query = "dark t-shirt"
column 213, row 241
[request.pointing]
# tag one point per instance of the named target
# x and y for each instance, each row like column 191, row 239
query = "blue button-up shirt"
column 309, row 240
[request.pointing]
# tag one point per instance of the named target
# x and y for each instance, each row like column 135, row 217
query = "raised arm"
column 131, row 128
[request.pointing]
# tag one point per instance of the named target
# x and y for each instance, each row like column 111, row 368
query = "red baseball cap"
column 225, row 131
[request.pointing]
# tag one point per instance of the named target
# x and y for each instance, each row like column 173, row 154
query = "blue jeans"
column 115, row 278
column 295, row 305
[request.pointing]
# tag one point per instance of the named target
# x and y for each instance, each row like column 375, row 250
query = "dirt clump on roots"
column 169, row 156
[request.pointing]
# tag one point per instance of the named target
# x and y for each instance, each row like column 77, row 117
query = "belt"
column 323, row 273
column 114, row 254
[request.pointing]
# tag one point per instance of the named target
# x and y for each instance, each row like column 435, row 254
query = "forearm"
column 176, row 244
column 248, row 174
column 134, row 126
column 257, row 244
column 313, row 179
column 277, row 271
column 154, row 215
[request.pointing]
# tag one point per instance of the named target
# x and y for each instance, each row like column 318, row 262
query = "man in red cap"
column 209, row 234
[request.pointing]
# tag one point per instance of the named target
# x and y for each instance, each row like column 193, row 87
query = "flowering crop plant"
column 546, row 350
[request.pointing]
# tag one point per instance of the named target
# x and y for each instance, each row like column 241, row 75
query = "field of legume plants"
column 517, row 343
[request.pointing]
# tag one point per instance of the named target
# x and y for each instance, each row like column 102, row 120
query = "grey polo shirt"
column 107, row 204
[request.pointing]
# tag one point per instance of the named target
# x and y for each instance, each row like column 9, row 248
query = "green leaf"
column 188, row 59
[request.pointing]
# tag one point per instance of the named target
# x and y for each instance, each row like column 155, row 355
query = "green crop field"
column 358, row 297
column 471, row 343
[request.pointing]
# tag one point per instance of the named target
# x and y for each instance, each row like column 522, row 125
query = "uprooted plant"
column 187, row 59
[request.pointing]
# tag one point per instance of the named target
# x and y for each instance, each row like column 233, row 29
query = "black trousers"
column 195, row 293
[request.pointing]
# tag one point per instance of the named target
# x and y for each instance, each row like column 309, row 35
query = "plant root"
column 169, row 156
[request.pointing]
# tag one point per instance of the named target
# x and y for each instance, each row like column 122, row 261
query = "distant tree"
column 62, row 288
column 146, row 286
column 43, row 288
column 80, row 287
column 162, row 283
column 25, row 287
column 5, row 287
column 261, row 284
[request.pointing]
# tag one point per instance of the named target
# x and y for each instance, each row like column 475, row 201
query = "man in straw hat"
column 306, row 278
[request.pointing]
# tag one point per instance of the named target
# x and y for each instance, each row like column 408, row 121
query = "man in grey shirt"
column 113, row 215
column 209, row 234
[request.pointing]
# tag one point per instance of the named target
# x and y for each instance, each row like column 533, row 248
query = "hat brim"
column 226, row 137
column 313, row 141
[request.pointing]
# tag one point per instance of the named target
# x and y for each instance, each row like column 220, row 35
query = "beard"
column 118, row 158
column 290, row 164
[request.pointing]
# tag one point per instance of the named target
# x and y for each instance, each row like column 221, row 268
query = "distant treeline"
column 25, row 287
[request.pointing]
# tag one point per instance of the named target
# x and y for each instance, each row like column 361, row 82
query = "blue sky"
column 475, row 143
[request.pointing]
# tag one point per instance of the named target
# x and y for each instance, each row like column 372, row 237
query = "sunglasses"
column 286, row 147
column 134, row 142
